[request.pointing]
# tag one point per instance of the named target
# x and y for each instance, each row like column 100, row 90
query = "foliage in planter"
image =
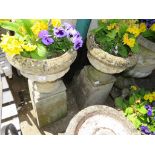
column 118, row 37
column 39, row 39
column 148, row 26
column 139, row 108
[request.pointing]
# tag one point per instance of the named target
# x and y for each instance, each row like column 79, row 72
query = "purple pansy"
column 78, row 43
column 46, row 39
column 149, row 109
column 145, row 130
column 59, row 32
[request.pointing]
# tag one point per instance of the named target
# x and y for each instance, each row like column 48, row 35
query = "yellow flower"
column 128, row 41
column 11, row 45
column 137, row 101
column 146, row 97
column 56, row 22
column 38, row 26
column 150, row 98
column 142, row 27
column 134, row 30
column 22, row 30
column 111, row 26
column 29, row 47
column 152, row 27
column 133, row 88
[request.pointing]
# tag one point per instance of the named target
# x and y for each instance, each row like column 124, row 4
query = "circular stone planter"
column 100, row 120
column 43, row 70
column 105, row 62
column 146, row 59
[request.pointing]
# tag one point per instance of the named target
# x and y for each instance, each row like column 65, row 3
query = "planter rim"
column 44, row 60
column 146, row 43
column 119, row 61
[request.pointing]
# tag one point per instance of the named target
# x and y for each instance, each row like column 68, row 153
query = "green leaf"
column 129, row 110
column 122, row 50
column 120, row 103
column 112, row 34
column 41, row 50
column 11, row 26
column 142, row 110
column 136, row 122
column 136, row 48
column 122, row 30
column 131, row 100
column 35, row 55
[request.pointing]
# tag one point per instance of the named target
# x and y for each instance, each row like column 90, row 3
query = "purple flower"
column 68, row 26
column 47, row 40
column 59, row 32
column 78, row 42
column 149, row 109
column 43, row 33
column 145, row 130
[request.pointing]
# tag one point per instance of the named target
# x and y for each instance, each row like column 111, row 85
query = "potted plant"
column 42, row 50
column 146, row 58
column 139, row 108
column 112, row 47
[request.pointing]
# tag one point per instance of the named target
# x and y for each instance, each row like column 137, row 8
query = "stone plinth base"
column 49, row 101
column 91, row 87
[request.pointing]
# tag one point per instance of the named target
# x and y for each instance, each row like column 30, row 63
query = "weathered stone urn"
column 105, row 62
column 100, row 120
column 146, row 59
column 47, row 90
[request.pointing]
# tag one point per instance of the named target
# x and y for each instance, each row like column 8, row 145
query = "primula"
column 29, row 47
column 152, row 27
column 11, row 45
column 128, row 41
column 38, row 26
column 111, row 26
column 142, row 27
column 56, row 22
column 134, row 30
column 134, row 88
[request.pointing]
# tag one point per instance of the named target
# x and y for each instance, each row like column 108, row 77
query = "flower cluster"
column 118, row 37
column 38, row 39
column 139, row 108
column 148, row 26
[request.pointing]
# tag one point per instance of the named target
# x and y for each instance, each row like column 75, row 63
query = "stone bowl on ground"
column 43, row 70
column 100, row 120
column 146, row 59
column 105, row 62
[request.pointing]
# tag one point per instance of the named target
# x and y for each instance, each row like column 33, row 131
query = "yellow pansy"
column 38, row 26
column 152, row 27
column 133, row 88
column 134, row 30
column 56, row 22
column 128, row 41
column 111, row 26
column 11, row 45
column 142, row 27
column 29, row 47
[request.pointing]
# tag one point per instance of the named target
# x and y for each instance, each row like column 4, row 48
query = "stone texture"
column 91, row 87
column 43, row 70
column 146, row 59
column 50, row 106
column 105, row 62
column 100, row 120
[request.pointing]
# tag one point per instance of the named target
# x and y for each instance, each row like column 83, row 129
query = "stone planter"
column 100, row 120
column 106, row 62
column 47, row 91
column 43, row 70
column 146, row 59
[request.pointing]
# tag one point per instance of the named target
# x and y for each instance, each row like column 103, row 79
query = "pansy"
column 59, row 32
column 145, row 130
column 46, row 39
column 149, row 109
column 78, row 42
